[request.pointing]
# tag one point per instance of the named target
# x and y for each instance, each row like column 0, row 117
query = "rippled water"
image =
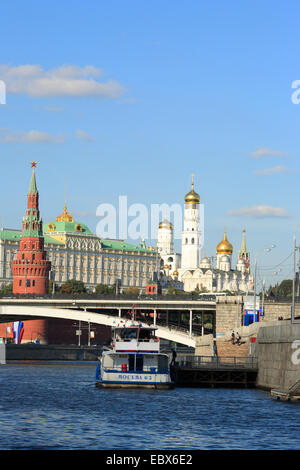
column 59, row 407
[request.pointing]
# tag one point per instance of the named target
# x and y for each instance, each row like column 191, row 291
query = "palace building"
column 76, row 253
column 66, row 249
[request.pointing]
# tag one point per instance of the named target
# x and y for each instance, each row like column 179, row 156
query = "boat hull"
column 154, row 386
column 117, row 379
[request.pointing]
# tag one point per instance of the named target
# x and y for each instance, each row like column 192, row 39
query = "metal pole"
column 294, row 275
column 191, row 322
column 254, row 296
column 154, row 317
column 263, row 297
column 79, row 333
column 53, row 283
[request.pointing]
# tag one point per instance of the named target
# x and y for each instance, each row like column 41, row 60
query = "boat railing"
column 248, row 362
column 138, row 340
column 122, row 368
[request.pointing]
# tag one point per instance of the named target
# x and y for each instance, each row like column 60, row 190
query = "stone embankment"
column 278, row 354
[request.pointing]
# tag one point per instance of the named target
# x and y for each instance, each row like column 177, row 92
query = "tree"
column 72, row 287
column 104, row 289
column 132, row 291
column 284, row 289
column 172, row 290
column 6, row 289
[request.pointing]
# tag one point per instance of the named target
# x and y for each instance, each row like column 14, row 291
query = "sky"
column 132, row 98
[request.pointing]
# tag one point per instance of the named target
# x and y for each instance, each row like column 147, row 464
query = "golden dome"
column 65, row 216
column 192, row 197
column 165, row 224
column 175, row 273
column 166, row 266
column 224, row 247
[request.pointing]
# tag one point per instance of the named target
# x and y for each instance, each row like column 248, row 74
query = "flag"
column 18, row 330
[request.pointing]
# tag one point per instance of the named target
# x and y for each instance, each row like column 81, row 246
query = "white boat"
column 135, row 360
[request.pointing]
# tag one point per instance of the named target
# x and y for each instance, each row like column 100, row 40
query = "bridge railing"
column 197, row 362
column 94, row 296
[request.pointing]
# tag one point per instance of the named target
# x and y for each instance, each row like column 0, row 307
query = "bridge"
column 180, row 321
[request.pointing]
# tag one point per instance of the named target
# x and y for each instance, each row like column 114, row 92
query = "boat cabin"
column 152, row 363
column 135, row 338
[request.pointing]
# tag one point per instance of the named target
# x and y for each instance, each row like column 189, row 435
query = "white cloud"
column 33, row 136
column 267, row 152
column 67, row 80
column 82, row 135
column 259, row 212
column 273, row 170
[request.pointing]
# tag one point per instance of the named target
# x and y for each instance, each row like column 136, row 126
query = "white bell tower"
column 191, row 234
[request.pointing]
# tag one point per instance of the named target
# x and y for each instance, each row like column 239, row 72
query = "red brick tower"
column 31, row 268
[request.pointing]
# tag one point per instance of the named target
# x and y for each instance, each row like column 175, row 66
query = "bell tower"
column 31, row 268
column 191, row 235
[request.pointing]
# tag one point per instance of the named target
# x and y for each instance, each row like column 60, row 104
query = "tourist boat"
column 134, row 360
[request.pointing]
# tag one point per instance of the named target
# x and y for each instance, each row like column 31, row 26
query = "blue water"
column 59, row 407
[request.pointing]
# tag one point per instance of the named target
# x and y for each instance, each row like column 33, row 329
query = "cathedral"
column 190, row 270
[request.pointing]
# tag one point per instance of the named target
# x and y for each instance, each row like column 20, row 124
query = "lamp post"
column 255, row 266
column 295, row 247
column 263, row 290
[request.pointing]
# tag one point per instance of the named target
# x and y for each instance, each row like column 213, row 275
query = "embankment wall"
column 278, row 354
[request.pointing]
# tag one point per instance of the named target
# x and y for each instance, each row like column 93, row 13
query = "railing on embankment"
column 214, row 371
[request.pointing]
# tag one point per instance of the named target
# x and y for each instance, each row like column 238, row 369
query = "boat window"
column 162, row 363
column 128, row 334
column 146, row 334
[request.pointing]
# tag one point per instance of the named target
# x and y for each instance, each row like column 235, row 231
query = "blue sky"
column 131, row 98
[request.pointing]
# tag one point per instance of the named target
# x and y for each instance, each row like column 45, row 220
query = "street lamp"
column 255, row 266
column 263, row 289
column 295, row 247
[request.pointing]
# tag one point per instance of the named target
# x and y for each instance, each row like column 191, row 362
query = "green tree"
column 6, row 289
column 131, row 291
column 104, row 289
column 284, row 289
column 72, row 287
column 172, row 290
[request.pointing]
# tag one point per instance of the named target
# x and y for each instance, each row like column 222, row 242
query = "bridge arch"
column 15, row 313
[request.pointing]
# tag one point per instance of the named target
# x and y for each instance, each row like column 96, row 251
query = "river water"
column 58, row 407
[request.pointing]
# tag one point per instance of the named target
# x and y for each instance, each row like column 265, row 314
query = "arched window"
column 193, row 240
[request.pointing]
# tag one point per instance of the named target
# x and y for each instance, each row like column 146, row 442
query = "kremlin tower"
column 31, row 268
column 244, row 253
